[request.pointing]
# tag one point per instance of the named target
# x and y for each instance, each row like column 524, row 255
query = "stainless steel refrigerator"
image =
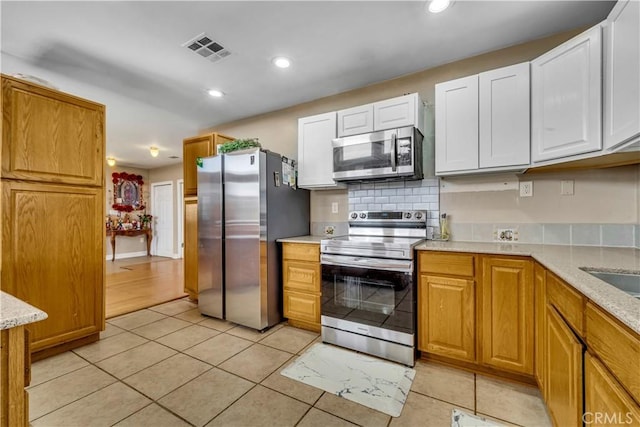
column 243, row 207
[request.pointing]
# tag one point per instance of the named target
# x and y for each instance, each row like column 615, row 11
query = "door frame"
column 154, row 242
column 180, row 218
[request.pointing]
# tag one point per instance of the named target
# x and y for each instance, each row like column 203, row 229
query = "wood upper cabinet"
column 563, row 371
column 193, row 148
column 605, row 401
column 446, row 316
column 539, row 285
column 566, row 101
column 53, row 257
column 315, row 152
column 621, row 71
column 50, row 136
column 302, row 284
column 507, row 314
column 191, row 247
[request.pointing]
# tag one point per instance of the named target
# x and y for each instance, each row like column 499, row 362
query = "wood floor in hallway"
column 142, row 282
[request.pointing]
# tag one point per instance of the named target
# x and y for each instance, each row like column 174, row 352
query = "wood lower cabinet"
column 563, row 371
column 605, row 401
column 507, row 314
column 15, row 365
column 539, row 286
column 301, row 284
column 446, row 315
column 191, row 247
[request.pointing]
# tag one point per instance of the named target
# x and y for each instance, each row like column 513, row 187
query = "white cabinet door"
column 397, row 112
column 504, row 116
column 315, row 153
column 457, row 125
column 566, row 98
column 356, row 120
column 622, row 74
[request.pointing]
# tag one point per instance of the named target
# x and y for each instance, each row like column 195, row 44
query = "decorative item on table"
column 145, row 220
column 238, row 144
column 107, row 223
column 127, row 192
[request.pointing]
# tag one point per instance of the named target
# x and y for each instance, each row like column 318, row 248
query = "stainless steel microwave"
column 388, row 154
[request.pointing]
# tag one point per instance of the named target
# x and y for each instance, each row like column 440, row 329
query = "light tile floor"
column 170, row 366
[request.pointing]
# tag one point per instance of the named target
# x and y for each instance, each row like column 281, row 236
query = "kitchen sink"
column 628, row 282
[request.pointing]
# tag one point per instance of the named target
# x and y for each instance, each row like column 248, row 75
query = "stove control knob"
column 407, row 215
column 418, row 215
column 354, row 215
column 363, row 215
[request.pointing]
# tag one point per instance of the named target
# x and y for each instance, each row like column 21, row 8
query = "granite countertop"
column 302, row 239
column 565, row 262
column 15, row 312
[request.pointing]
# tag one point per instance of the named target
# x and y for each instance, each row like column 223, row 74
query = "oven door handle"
column 403, row 266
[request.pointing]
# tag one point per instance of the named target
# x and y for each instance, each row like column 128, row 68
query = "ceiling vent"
column 204, row 46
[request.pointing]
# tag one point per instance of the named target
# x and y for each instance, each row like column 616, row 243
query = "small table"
column 130, row 233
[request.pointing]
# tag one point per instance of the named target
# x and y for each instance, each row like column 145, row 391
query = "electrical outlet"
column 505, row 234
column 566, row 188
column 328, row 230
column 334, row 207
column 526, row 188
column 142, row 240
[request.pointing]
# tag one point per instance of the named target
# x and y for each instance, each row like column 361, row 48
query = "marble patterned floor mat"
column 462, row 419
column 377, row 384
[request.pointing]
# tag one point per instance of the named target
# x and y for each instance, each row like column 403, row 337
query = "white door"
column 566, row 93
column 180, row 218
column 504, row 116
column 162, row 208
column 457, row 125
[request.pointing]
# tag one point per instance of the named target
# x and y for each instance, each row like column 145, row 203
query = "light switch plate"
column 566, row 187
column 334, row 207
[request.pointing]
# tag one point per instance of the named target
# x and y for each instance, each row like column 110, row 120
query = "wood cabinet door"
column 563, row 372
column 191, row 247
column 457, row 125
column 301, row 276
column 315, row 152
column 621, row 71
column 504, row 121
column 507, row 314
column 53, row 257
column 200, row 146
column 356, row 120
column 446, row 317
column 605, row 401
column 50, row 136
column 566, row 109
column 302, row 306
column 539, row 281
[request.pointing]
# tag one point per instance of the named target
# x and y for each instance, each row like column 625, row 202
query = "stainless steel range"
column 369, row 284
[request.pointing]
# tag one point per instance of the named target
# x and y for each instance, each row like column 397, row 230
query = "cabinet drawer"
column 569, row 303
column 618, row 348
column 301, row 306
column 301, row 276
column 447, row 263
column 301, row 251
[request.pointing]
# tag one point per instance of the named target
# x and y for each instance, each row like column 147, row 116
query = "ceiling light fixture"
column 437, row 6
column 216, row 93
column 281, row 62
column 111, row 161
column 154, row 151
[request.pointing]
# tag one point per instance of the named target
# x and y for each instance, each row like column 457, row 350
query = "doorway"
column 180, row 216
column 162, row 211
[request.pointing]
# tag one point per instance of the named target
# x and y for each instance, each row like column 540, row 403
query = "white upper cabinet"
column 315, row 153
column 504, row 117
column 457, row 125
column 566, row 112
column 406, row 110
column 622, row 74
column 356, row 120
column 398, row 112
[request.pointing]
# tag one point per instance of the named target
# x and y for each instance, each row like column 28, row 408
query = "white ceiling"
column 128, row 55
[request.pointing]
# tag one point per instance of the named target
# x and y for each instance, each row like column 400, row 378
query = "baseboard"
column 176, row 256
column 127, row 255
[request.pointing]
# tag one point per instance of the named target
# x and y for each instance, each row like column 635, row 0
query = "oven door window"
column 373, row 297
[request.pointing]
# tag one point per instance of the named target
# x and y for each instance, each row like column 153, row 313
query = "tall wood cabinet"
column 192, row 149
column 52, row 211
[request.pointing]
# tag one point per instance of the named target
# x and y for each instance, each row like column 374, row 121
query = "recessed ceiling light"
column 216, row 93
column 281, row 62
column 154, row 151
column 437, row 6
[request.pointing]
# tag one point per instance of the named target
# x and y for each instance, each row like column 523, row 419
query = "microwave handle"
column 394, row 151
